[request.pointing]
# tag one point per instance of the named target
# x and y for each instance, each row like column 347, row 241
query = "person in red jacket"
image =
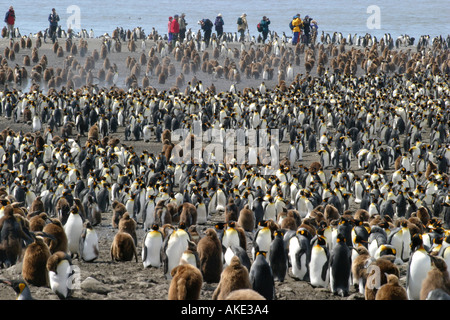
column 175, row 28
column 169, row 28
column 10, row 19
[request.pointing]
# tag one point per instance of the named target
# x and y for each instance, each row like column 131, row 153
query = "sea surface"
column 377, row 17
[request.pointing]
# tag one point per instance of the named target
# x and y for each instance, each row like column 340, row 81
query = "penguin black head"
column 341, row 238
column 18, row 285
column 263, row 253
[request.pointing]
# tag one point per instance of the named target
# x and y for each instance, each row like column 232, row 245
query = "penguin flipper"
column 325, row 266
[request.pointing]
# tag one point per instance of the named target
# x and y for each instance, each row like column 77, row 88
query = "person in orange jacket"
column 296, row 25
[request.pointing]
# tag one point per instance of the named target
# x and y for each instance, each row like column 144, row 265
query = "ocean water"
column 377, row 17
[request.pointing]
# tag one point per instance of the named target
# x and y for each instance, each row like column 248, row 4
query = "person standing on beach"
column 182, row 22
column 53, row 18
column 10, row 19
column 175, row 29
column 206, row 26
column 265, row 27
column 169, row 29
column 307, row 29
column 296, row 28
column 242, row 26
column 218, row 24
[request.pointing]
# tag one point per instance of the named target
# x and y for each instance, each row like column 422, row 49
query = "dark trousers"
column 264, row 35
column 52, row 33
column 182, row 34
column 207, row 36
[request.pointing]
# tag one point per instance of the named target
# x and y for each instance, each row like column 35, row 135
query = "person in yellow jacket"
column 296, row 28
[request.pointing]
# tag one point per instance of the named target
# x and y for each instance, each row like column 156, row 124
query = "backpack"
column 291, row 26
column 239, row 20
column 260, row 29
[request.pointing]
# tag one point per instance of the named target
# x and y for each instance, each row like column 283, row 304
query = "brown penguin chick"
column 58, row 242
column 118, row 211
column 209, row 250
column 128, row 225
column 34, row 266
column 377, row 276
column 234, row 277
column 423, row 215
column 161, row 213
column 231, row 211
column 38, row 222
column 123, row 247
column 362, row 215
column 359, row 267
column 166, row 135
column 392, row 290
column 188, row 214
column 244, row 294
column 331, row 213
column 287, row 222
column 246, row 219
column 437, row 278
column 37, row 205
column 195, row 236
column 186, row 282
column 93, row 133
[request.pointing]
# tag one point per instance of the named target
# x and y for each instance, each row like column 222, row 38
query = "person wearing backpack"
column 218, row 24
column 296, row 24
column 264, row 27
column 206, row 25
column 53, row 19
column 10, row 19
column 242, row 26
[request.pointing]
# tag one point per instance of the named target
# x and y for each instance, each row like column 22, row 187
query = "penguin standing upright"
column 151, row 247
column 300, row 254
column 34, row 265
column 211, row 258
column 319, row 264
column 261, row 276
column 437, row 278
column 58, row 242
column 234, row 277
column 59, row 267
column 340, row 267
column 89, row 249
column 174, row 246
column 186, row 282
column 278, row 259
column 418, row 267
column 391, row 290
column 263, row 239
column 73, row 229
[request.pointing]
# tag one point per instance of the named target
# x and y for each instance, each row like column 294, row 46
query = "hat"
column 170, row 18
column 219, row 15
column 175, row 16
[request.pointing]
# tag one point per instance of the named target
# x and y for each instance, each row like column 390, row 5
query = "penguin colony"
column 376, row 199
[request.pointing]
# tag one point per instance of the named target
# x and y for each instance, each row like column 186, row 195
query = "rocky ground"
column 104, row 279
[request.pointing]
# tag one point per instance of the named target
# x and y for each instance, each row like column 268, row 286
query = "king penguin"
column 319, row 264
column 340, row 267
column 261, row 276
column 60, row 271
column 263, row 238
column 418, row 267
column 89, row 249
column 278, row 259
column 20, row 287
column 73, row 229
column 300, row 254
column 151, row 247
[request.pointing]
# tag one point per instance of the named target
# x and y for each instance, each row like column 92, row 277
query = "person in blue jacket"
column 53, row 18
column 265, row 27
column 218, row 24
column 206, row 26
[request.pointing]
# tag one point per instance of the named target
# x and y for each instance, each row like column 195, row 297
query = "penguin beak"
column 9, row 283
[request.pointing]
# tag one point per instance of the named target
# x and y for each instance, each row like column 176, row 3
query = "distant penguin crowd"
column 375, row 197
